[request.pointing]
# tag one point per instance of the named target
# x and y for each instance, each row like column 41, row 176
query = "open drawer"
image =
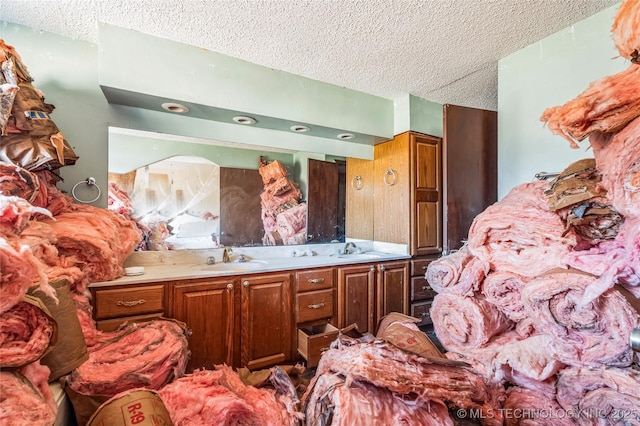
column 314, row 340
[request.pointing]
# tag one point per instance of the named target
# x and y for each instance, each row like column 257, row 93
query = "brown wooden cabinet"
column 266, row 327
column 421, row 293
column 208, row 307
column 356, row 297
column 114, row 305
column 315, row 295
column 392, row 289
column 407, row 185
column 368, row 292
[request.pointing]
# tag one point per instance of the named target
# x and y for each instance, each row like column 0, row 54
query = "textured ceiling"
column 445, row 51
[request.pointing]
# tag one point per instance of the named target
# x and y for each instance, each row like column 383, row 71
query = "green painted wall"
column 548, row 73
column 417, row 114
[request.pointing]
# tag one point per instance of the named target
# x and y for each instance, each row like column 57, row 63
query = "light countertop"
column 192, row 264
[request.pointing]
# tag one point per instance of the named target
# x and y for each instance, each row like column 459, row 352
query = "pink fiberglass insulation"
column 218, row 397
column 333, row 401
column 502, row 289
column 385, row 366
column 147, row 355
column 19, row 270
column 618, row 160
column 119, row 200
column 463, row 323
column 518, row 360
column 19, row 182
column 616, row 261
column 591, row 334
column 25, row 335
column 291, row 221
column 626, row 30
column 526, row 407
column 606, row 106
column 459, row 273
column 15, row 213
column 600, row 396
column 96, row 240
column 22, row 404
column 519, row 234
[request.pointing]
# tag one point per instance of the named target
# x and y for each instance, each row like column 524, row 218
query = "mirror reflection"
column 188, row 195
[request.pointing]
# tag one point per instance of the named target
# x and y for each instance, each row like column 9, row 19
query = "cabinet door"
column 356, row 297
column 392, row 196
column 267, row 326
column 426, row 218
column 392, row 289
column 207, row 307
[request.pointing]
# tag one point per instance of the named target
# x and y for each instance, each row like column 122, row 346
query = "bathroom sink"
column 233, row 266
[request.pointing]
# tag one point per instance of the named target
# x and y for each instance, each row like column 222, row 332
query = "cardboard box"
column 314, row 340
column 395, row 329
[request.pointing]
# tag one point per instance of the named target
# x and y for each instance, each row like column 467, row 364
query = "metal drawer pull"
column 316, row 306
column 316, row 280
column 426, row 287
column 425, row 314
column 425, row 267
column 130, row 302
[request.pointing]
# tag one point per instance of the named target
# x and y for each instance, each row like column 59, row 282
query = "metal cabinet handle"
column 129, row 303
column 230, row 286
column 426, row 287
column 372, row 269
column 316, row 306
column 425, row 314
column 316, row 280
column 425, row 267
column 245, row 283
column 382, row 267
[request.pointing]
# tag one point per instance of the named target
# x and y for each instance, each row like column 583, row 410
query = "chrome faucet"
column 225, row 255
column 350, row 248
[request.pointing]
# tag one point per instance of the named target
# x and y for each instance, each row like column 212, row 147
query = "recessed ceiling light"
column 345, row 136
column 299, row 128
column 243, row 119
column 174, row 107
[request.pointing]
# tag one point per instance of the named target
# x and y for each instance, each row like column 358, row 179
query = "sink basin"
column 359, row 256
column 233, row 266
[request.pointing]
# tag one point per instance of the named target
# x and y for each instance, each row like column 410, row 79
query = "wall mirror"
column 191, row 193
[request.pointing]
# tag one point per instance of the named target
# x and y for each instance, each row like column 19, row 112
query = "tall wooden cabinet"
column 470, row 159
column 408, row 192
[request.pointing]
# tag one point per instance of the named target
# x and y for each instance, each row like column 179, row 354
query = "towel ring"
column 390, row 177
column 90, row 181
column 356, row 183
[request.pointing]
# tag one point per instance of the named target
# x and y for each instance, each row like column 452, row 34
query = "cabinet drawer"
column 122, row 302
column 419, row 266
column 314, row 305
column 113, row 324
column 316, row 279
column 313, row 341
column 421, row 310
column 420, row 289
